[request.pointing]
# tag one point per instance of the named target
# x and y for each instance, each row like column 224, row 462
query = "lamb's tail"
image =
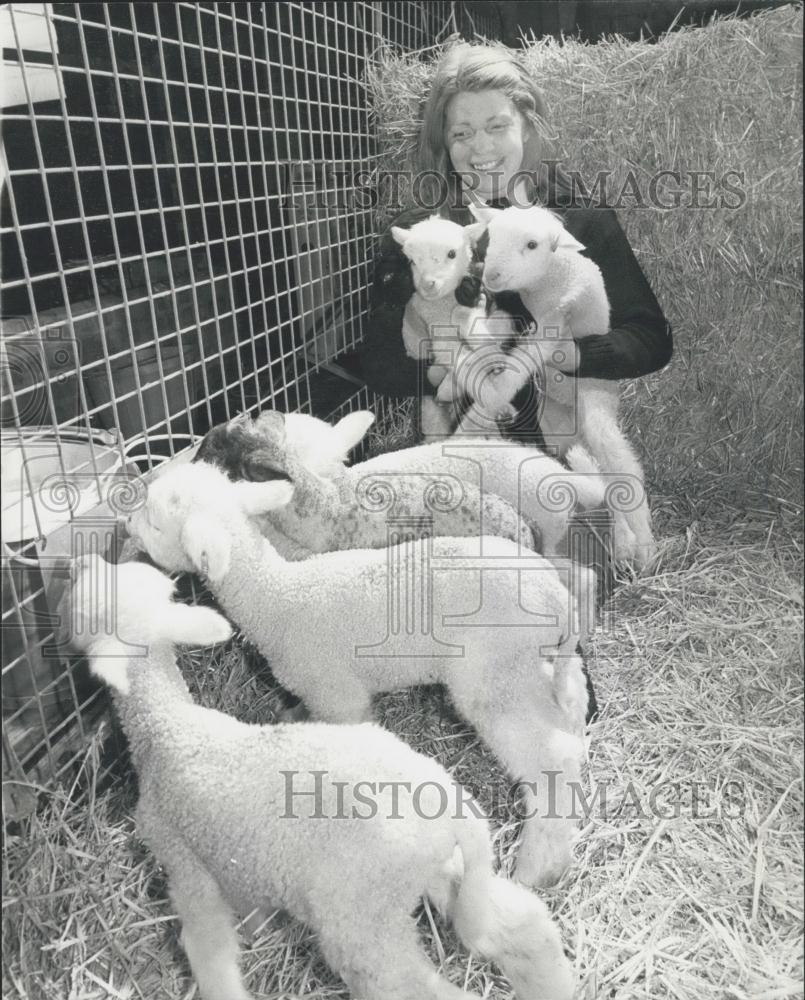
column 508, row 924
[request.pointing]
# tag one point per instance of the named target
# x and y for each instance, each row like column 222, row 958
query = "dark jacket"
column 639, row 340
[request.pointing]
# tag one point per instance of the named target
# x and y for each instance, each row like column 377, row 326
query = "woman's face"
column 484, row 136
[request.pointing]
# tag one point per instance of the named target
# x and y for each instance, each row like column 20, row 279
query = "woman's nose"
column 482, row 142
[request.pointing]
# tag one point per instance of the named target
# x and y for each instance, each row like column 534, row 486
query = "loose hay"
column 698, row 667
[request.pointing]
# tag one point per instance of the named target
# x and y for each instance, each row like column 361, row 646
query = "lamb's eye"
column 532, row 244
column 451, row 254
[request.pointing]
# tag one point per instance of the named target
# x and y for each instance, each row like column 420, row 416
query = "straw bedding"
column 698, row 666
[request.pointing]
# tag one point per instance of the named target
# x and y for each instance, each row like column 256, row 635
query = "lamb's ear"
column 194, row 626
column 475, row 231
column 206, row 546
column 562, row 240
column 260, row 498
column 351, row 429
column 271, row 425
column 109, row 660
column 400, row 235
column 483, row 213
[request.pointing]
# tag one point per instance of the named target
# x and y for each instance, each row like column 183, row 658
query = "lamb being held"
column 531, row 252
column 352, row 858
column 463, row 341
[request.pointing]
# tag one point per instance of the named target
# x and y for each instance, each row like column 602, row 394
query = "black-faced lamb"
column 324, row 516
column 344, row 827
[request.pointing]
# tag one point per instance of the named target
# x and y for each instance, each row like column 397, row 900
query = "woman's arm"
column 640, row 338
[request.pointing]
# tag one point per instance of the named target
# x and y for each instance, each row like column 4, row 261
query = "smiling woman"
column 484, row 138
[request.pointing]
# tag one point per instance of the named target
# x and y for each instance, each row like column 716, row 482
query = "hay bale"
column 723, row 426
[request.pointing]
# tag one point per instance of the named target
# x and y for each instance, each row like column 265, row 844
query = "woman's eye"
column 498, row 128
column 532, row 244
column 451, row 254
column 459, row 137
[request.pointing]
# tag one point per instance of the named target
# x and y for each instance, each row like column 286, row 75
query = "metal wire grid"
column 152, row 256
column 169, row 223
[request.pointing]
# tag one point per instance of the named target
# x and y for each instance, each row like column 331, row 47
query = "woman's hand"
column 562, row 355
column 435, row 374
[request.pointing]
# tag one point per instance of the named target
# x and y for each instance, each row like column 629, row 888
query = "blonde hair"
column 467, row 67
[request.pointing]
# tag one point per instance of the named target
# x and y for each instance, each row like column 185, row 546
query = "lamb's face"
column 157, row 526
column 245, row 449
column 521, row 244
column 440, row 253
column 123, row 602
column 190, row 511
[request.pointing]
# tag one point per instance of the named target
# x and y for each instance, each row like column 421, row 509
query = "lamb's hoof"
column 505, row 414
column 294, row 713
column 544, row 871
column 538, row 878
column 644, row 555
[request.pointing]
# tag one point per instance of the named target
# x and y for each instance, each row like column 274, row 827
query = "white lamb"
column 298, row 817
column 530, row 252
column 436, row 325
column 491, row 629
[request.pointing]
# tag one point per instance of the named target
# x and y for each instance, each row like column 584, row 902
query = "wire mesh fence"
column 181, row 242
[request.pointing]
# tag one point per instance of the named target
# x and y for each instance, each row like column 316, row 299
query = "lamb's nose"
column 430, row 284
column 490, row 277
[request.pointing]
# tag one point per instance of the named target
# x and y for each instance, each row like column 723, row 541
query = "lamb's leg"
column 545, row 850
column 436, row 420
column 514, row 929
column 208, row 929
column 545, row 760
column 571, row 690
column 339, row 700
column 378, row 955
column 626, row 495
column 525, row 728
column 558, row 425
